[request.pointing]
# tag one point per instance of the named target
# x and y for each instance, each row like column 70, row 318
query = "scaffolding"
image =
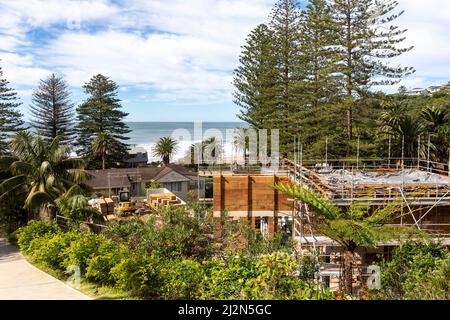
column 421, row 193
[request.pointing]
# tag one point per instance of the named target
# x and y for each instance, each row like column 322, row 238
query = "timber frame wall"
column 247, row 197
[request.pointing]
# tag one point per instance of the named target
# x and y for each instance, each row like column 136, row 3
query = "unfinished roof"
column 409, row 176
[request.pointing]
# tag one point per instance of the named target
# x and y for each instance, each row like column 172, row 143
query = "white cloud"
column 20, row 69
column 43, row 13
column 185, row 50
column 428, row 24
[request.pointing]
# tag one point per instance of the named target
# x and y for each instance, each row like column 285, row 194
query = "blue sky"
column 172, row 59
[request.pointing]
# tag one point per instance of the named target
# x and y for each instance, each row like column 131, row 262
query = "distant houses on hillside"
column 137, row 156
column 426, row 91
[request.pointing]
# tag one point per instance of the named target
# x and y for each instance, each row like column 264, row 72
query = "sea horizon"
column 146, row 134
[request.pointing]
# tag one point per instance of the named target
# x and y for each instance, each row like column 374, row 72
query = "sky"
column 173, row 59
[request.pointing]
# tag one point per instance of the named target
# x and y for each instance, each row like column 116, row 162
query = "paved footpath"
column 20, row 280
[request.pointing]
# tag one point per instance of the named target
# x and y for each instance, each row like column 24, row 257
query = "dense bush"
column 80, row 251
column 173, row 234
column 108, row 255
column 182, row 279
column 50, row 249
column 139, row 274
column 271, row 276
column 33, row 230
column 158, row 260
column 416, row 271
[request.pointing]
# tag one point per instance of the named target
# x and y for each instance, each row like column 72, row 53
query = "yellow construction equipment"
column 126, row 205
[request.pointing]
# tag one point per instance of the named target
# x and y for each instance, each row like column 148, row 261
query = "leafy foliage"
column 33, row 230
column 182, row 279
column 267, row 277
column 170, row 273
column 40, row 170
column 74, row 205
column 174, row 234
column 165, row 148
column 138, row 274
column 416, row 271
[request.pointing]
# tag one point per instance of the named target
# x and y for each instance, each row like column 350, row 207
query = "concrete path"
column 19, row 280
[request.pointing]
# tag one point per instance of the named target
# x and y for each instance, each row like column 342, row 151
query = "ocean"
column 147, row 134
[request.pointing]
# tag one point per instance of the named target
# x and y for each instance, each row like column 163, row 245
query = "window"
column 174, row 186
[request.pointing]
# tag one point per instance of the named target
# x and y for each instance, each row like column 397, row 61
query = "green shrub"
column 173, row 234
column 230, row 279
column 412, row 270
column 434, row 285
column 182, row 279
column 268, row 277
column 139, row 274
column 80, row 251
column 50, row 249
column 108, row 255
column 133, row 233
column 34, row 229
column 308, row 268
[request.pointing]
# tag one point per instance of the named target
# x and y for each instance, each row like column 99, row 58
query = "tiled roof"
column 118, row 178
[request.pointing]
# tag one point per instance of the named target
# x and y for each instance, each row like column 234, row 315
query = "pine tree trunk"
column 348, row 271
column 349, row 129
column 349, row 82
column 103, row 161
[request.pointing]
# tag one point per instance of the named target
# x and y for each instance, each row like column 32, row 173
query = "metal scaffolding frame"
column 422, row 194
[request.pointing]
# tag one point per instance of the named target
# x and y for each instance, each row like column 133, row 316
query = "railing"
column 380, row 164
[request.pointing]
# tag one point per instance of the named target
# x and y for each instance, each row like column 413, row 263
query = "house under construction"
column 248, row 194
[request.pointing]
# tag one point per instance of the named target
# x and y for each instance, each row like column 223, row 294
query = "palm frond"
column 385, row 214
column 318, row 202
column 11, row 183
column 6, row 161
column 21, row 168
column 35, row 200
column 73, row 191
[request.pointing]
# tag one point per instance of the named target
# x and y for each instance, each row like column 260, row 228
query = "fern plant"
column 358, row 225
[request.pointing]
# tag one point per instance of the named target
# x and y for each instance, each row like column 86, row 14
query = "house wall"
column 248, row 197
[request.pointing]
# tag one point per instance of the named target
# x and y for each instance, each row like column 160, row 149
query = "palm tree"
column 437, row 124
column 351, row 228
column 74, row 206
column 41, row 171
column 165, row 149
column 241, row 142
column 212, row 149
column 104, row 144
column 405, row 130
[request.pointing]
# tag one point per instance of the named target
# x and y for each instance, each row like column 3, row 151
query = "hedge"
column 107, row 262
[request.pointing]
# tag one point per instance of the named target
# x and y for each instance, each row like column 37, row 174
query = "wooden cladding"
column 249, row 195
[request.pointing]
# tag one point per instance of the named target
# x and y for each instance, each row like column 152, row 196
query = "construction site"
column 420, row 187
